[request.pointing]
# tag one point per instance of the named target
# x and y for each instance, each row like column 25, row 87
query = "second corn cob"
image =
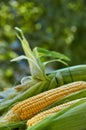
column 48, row 112
column 29, row 107
column 71, row 118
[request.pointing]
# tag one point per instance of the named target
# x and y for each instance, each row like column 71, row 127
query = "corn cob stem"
column 48, row 112
column 69, row 74
column 29, row 107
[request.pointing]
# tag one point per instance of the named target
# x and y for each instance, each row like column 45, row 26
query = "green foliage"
column 51, row 24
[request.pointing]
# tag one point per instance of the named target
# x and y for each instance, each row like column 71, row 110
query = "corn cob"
column 48, row 112
column 71, row 118
column 29, row 107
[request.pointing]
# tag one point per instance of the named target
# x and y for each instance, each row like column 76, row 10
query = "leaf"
column 24, row 57
column 24, row 42
column 52, row 54
column 18, row 58
column 35, row 64
column 58, row 60
column 36, row 53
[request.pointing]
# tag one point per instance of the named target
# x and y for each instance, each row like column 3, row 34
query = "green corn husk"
column 12, row 125
column 71, row 74
column 67, row 75
column 72, row 118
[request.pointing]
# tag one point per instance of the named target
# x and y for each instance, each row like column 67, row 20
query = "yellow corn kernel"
column 31, row 106
column 48, row 112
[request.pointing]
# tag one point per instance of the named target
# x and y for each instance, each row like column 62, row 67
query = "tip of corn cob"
column 11, row 116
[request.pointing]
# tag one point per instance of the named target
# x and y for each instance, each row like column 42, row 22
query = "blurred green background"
column 58, row 25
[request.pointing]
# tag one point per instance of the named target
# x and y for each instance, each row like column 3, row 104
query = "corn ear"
column 72, row 118
column 31, row 106
column 37, row 88
column 48, row 112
